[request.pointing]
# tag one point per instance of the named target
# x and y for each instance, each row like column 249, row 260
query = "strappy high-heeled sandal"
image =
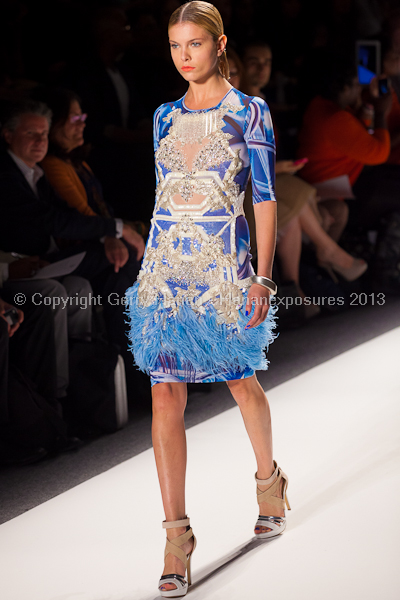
column 277, row 525
column 173, row 547
column 352, row 273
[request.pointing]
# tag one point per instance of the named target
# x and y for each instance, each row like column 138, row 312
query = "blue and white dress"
column 187, row 308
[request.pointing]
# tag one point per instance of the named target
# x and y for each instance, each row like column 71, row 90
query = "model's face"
column 70, row 135
column 257, row 63
column 194, row 52
column 234, row 78
column 29, row 140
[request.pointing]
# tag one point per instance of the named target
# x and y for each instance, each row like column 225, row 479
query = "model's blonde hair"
column 204, row 15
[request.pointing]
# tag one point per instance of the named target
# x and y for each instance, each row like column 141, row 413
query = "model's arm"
column 261, row 148
column 265, row 217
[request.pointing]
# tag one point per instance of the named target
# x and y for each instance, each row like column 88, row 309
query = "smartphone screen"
column 383, row 86
column 368, row 60
column 11, row 316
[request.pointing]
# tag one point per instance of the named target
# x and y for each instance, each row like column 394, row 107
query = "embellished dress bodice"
column 196, row 269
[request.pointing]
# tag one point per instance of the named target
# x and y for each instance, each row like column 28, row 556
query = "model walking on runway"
column 198, row 313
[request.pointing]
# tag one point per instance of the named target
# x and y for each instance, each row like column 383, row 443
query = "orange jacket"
column 337, row 143
column 65, row 181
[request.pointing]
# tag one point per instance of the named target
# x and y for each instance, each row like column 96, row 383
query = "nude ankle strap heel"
column 277, row 525
column 173, row 547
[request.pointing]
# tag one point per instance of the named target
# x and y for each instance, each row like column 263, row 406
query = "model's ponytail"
column 224, row 65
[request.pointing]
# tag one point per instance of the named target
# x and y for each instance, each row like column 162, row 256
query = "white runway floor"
column 336, row 435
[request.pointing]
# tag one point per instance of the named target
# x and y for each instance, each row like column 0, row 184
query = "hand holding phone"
column 12, row 316
column 383, row 86
column 380, row 94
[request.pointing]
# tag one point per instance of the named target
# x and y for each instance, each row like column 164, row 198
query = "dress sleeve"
column 156, row 134
column 260, row 141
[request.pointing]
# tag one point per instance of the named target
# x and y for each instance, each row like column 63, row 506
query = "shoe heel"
column 330, row 271
column 286, row 498
column 173, row 547
column 189, row 571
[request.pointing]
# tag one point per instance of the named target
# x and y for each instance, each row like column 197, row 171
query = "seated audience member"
column 337, row 143
column 119, row 126
column 258, row 61
column 64, row 165
column 28, row 345
column 69, row 175
column 257, row 67
column 32, row 216
column 391, row 68
column 236, row 69
column 297, row 206
column 394, row 130
column 257, row 57
column 72, row 318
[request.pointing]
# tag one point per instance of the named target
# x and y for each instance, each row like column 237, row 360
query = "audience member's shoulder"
column 327, row 107
column 50, row 159
column 6, row 162
column 342, row 120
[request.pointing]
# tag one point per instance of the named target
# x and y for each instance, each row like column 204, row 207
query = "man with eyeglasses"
column 33, row 218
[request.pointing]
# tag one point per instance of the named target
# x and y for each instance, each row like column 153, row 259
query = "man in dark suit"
column 32, row 216
column 120, row 123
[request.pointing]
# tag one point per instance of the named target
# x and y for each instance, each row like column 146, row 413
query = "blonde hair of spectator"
column 204, row 15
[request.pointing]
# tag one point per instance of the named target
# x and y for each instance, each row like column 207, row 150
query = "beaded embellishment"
column 184, row 261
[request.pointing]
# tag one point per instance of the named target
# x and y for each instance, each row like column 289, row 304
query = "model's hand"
column 4, row 306
column 116, row 252
column 134, row 239
column 259, row 296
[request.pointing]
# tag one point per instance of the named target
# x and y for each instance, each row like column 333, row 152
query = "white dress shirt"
column 32, row 175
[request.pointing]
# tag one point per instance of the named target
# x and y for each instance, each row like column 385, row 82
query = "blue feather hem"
column 200, row 340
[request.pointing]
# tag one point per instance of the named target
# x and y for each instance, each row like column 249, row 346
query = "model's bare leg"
column 254, row 407
column 169, row 443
